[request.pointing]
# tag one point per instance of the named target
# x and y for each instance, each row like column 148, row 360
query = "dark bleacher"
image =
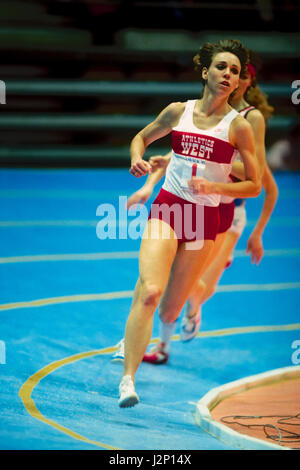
column 82, row 77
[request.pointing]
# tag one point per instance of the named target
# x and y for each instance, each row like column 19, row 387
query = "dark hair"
column 255, row 64
column 207, row 52
column 254, row 95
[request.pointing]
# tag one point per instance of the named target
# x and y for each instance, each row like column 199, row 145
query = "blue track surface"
column 53, row 212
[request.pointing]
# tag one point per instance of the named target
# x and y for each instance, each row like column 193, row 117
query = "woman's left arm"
column 254, row 244
column 241, row 136
column 257, row 122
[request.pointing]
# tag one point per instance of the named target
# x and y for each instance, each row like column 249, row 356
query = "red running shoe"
column 156, row 355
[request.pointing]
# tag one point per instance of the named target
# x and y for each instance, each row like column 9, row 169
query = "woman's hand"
column 255, row 247
column 200, row 186
column 140, row 168
column 140, row 196
column 158, row 162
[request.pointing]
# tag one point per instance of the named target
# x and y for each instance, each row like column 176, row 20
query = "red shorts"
column 226, row 216
column 189, row 221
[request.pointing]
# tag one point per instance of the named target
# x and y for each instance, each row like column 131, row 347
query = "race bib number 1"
column 190, row 170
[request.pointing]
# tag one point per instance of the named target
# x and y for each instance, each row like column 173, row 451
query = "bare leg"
column 206, row 286
column 155, row 262
column 187, row 267
column 200, row 286
column 214, row 272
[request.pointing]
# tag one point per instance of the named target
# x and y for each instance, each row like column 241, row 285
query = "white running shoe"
column 128, row 396
column 190, row 326
column 120, row 353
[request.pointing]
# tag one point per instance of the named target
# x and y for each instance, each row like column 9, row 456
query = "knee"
column 150, row 294
column 201, row 286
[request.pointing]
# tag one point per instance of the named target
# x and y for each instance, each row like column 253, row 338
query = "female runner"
column 247, row 95
column 206, row 136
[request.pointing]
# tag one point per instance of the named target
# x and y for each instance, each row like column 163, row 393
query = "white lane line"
column 48, row 223
column 278, row 222
column 258, row 287
column 273, row 252
column 124, row 255
column 274, row 222
column 70, row 257
column 58, row 194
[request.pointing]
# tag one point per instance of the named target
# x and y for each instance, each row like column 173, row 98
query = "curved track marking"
column 67, row 299
column 28, row 387
column 129, row 294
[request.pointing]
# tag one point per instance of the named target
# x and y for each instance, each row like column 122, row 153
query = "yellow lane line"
column 129, row 294
column 27, row 389
column 67, row 299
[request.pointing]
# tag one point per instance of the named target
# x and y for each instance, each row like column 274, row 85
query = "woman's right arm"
column 157, row 129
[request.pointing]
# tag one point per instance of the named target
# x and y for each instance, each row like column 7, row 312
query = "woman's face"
column 244, row 83
column 223, row 74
